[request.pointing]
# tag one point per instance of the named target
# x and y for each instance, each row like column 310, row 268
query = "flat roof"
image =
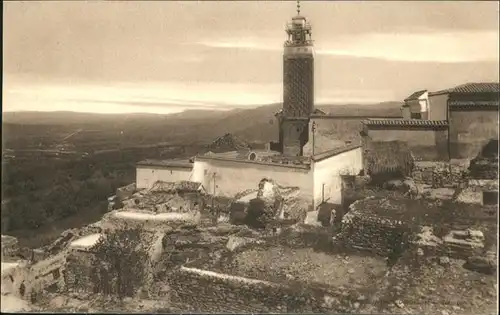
column 86, row 241
column 184, row 163
column 143, row 216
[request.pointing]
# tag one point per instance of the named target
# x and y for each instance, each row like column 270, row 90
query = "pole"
column 213, row 199
column 323, row 193
column 313, row 128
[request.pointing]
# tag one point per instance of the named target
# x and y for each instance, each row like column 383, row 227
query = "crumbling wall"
column 10, row 246
column 200, row 290
column 361, row 230
column 112, row 221
column 439, row 174
column 393, row 157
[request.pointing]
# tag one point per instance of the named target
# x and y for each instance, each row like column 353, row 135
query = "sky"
column 168, row 56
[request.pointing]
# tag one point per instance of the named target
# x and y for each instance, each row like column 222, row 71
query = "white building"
column 227, row 174
column 150, row 171
column 416, row 106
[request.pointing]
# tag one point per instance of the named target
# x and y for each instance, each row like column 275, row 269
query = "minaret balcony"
column 291, row 43
column 295, row 26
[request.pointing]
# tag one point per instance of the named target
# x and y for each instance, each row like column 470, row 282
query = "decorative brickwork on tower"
column 298, row 86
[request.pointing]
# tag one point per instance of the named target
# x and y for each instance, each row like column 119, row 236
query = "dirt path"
column 11, row 304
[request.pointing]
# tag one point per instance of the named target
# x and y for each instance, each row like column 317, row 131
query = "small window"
column 416, row 116
column 490, row 198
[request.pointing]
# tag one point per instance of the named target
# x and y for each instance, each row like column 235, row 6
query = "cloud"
column 161, row 97
column 440, row 47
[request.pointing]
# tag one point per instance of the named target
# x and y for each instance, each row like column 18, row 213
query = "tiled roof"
column 482, row 87
column 477, row 88
column 167, row 163
column 473, row 103
column 415, row 95
column 406, row 123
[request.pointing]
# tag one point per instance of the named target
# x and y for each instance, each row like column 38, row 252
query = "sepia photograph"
column 335, row 157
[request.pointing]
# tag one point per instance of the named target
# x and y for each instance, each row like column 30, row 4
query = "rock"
column 312, row 219
column 236, row 242
column 410, row 187
column 475, row 235
column 481, row 264
column 356, row 305
column 399, row 303
column 350, row 271
column 420, row 252
column 444, row 261
column 395, row 184
column 444, row 312
column 456, row 308
column 361, row 298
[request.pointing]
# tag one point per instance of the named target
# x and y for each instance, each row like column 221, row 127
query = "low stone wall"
column 439, row 174
column 379, row 235
column 195, row 290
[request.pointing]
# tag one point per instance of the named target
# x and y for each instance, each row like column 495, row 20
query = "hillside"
column 192, row 126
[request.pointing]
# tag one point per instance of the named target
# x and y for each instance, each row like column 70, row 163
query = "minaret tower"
column 298, row 85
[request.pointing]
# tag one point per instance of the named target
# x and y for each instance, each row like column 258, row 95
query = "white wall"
column 328, row 172
column 147, row 176
column 233, row 177
column 438, row 107
column 423, row 100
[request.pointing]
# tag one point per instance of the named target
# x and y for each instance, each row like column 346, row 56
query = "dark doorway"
column 490, row 198
column 22, row 289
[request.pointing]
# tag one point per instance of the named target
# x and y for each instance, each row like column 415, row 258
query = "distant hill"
column 255, row 125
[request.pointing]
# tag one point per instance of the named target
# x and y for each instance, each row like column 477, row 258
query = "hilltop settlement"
column 399, row 218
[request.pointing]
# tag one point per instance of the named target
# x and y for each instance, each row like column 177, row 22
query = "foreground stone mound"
column 163, row 197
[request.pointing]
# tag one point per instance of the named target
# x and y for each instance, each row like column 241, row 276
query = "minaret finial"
column 298, row 7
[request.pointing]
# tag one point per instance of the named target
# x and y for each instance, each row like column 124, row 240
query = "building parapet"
column 326, row 116
column 304, row 165
column 166, row 164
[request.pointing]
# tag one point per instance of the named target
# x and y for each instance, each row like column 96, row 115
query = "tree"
column 120, row 259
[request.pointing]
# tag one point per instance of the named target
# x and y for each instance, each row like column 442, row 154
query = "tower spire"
column 298, row 7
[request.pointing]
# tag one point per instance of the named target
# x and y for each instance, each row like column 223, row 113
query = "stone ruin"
column 270, row 201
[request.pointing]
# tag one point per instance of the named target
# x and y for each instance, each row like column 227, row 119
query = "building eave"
column 330, row 153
